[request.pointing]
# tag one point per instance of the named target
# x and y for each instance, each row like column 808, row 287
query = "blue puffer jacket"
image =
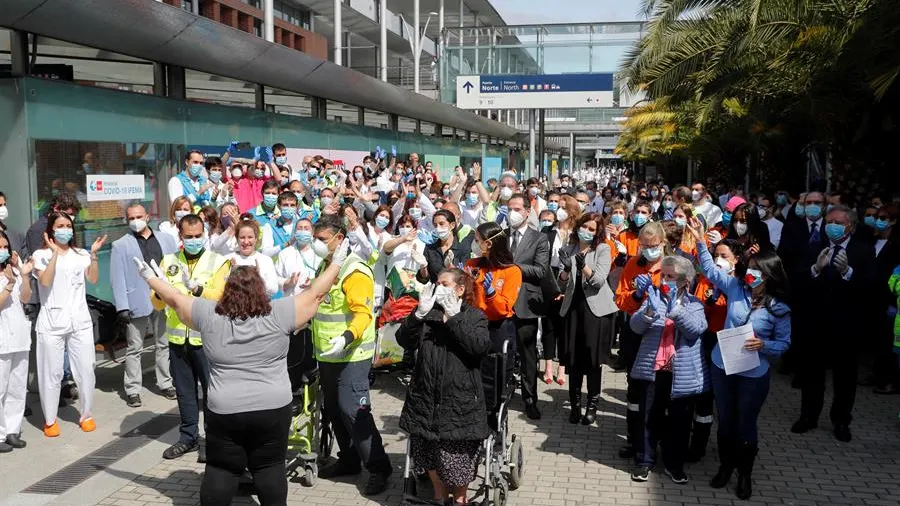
column 690, row 373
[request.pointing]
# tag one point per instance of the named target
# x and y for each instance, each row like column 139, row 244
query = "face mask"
column 313, row 172
column 4, row 213
column 681, row 222
column 225, row 221
column 562, row 215
column 640, row 220
column 813, row 211
column 303, row 237
column 564, row 184
column 623, row 191
column 86, row 167
column 726, row 218
column 357, row 175
column 258, row 173
column 442, row 233
column 180, row 214
column 668, row 204
column 781, row 199
column 441, row 292
column 137, row 226
column 193, row 246
column 446, row 191
column 476, row 249
column 326, row 201
column 669, row 288
column 410, row 195
column 724, row 265
column 237, row 173
column 585, row 235
column 403, row 231
column 695, row 195
column 215, row 176
column 882, row 225
column 280, row 160
column 4, row 255
column 415, row 213
column 195, row 169
column 652, row 254
column 382, row 221
column 533, row 191
column 320, row 249
column 546, row 223
column 505, row 193
column 654, row 193
column 753, row 278
column 800, row 210
column 740, row 228
column 617, row 219
column 582, row 206
column 552, row 206
column 515, row 219
column 288, row 213
column 270, row 200
column 835, row 231
column 471, row 199
column 869, row 221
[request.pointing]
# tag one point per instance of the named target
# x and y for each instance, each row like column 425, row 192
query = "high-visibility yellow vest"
column 172, row 266
column 334, row 316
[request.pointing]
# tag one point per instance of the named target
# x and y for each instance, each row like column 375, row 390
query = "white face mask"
column 403, row 231
column 515, row 219
column 137, row 226
column 236, row 173
column 320, row 249
column 505, row 193
column 696, row 195
column 441, row 292
column 740, row 228
column 725, row 265
column 561, row 214
column 476, row 249
column 4, row 212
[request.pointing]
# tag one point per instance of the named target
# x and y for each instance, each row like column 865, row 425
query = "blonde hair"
column 571, row 206
column 655, row 230
column 176, row 205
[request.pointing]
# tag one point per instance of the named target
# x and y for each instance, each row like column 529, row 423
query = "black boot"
column 575, row 400
column 699, row 439
column 726, row 463
column 590, row 411
column 746, row 457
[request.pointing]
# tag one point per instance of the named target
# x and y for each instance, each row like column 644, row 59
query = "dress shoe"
column 15, row 441
column 338, row 469
column 178, row 449
column 803, row 426
column 842, row 433
column 377, row 483
column 532, row 411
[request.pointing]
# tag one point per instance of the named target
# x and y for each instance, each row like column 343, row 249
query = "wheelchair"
column 502, row 457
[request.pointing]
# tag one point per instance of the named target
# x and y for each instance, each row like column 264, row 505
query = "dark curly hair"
column 244, row 296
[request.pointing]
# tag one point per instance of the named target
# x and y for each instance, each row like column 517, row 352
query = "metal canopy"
column 158, row 32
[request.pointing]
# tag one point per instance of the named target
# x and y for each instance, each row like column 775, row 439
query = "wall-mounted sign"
column 115, row 187
column 549, row 91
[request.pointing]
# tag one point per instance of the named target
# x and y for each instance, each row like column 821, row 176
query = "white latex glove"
column 186, row 279
column 621, row 248
column 426, row 300
column 841, row 262
column 341, row 253
column 337, row 347
column 451, row 304
column 419, row 258
column 148, row 271
column 822, row 259
column 714, row 236
column 448, row 260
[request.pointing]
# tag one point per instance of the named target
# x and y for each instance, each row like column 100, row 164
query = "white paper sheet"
column 731, row 345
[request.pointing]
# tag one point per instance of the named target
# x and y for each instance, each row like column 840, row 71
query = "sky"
column 517, row 12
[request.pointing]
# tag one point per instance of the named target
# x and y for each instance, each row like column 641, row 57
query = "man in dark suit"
column 837, row 283
column 531, row 252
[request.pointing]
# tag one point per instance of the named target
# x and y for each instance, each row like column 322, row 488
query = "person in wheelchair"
column 444, row 413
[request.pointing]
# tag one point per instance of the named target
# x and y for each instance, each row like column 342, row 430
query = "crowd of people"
column 257, row 258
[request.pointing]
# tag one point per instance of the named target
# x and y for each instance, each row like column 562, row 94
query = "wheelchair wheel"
column 516, row 463
column 499, row 493
column 309, row 477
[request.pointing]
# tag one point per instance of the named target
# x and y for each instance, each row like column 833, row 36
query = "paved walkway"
column 566, row 465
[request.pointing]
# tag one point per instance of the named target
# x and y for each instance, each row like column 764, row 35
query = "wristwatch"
column 197, row 291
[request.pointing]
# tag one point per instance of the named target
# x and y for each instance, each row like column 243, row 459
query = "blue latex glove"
column 504, row 211
column 378, row 152
column 268, row 155
column 488, row 284
column 232, row 147
column 641, row 283
column 257, row 153
column 394, row 151
column 656, row 302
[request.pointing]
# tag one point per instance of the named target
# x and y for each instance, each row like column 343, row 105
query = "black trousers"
column 664, row 422
column 577, row 376
column 254, row 440
column 552, row 328
column 526, row 346
column 345, row 389
column 814, row 360
column 885, row 363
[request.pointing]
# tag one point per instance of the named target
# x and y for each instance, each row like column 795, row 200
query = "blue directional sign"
column 535, row 91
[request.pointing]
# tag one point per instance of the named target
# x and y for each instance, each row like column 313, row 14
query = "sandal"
column 560, row 381
column 548, row 379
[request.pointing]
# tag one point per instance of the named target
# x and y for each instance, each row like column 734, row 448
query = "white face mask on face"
column 740, row 228
column 725, row 265
column 137, row 226
column 516, row 219
column 4, row 212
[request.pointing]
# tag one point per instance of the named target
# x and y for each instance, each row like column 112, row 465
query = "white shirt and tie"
column 833, row 250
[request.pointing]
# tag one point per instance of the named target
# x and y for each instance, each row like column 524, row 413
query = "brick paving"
column 569, row 465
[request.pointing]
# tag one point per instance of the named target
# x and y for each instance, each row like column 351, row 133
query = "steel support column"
column 531, row 144
column 417, row 51
column 269, row 19
column 441, row 44
column 338, row 33
column 542, row 115
column 382, row 18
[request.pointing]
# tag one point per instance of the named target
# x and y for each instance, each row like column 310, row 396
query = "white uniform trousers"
column 13, row 388
column 50, row 355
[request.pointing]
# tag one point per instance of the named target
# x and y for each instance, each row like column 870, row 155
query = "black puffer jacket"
column 445, row 400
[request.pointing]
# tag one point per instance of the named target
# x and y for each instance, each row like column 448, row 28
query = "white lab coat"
column 170, row 229
column 292, row 260
column 15, row 342
column 266, row 269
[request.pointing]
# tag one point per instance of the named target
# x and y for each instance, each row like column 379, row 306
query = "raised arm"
column 307, row 303
column 182, row 304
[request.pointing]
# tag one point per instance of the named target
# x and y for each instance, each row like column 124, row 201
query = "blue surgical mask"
column 668, row 204
column 4, row 255
column 585, row 235
column 288, row 213
column 194, row 245
column 215, row 176
column 726, row 218
column 800, row 210
column 753, row 278
column 617, row 219
column 313, row 172
column 63, row 235
column 446, row 191
column 813, row 211
column 410, row 195
column 671, row 288
column 303, row 237
column 471, row 199
column 869, row 221
column 196, row 169
column 835, row 231
column 652, row 253
column 640, row 220
column 415, row 213
column 382, row 221
column 270, row 200
column 882, row 225
column 326, row 201
column 441, row 233
column 681, row 222
column 546, row 223
column 553, row 206
column 281, row 160
column 781, row 199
